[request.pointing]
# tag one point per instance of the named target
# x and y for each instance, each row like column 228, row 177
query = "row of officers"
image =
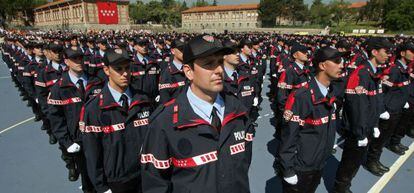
column 143, row 116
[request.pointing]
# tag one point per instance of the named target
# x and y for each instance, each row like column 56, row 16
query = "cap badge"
column 208, row 38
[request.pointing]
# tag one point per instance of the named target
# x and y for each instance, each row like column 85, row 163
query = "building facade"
column 221, row 17
column 83, row 14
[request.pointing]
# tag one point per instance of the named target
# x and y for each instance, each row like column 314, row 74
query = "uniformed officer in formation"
column 96, row 93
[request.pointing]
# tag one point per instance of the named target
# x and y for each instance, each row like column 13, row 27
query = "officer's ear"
column 188, row 71
column 106, row 70
column 322, row 66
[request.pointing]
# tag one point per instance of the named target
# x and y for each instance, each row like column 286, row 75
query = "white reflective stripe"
column 96, row 65
column 141, row 122
column 237, row 148
column 41, row 84
column 362, row 91
column 249, row 137
column 139, row 73
column 20, row 68
column 314, row 122
column 64, row 102
column 173, row 85
column 205, row 158
column 27, row 74
column 159, row 164
column 98, row 129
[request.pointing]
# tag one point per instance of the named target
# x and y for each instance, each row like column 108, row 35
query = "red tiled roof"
column 357, row 4
column 222, row 8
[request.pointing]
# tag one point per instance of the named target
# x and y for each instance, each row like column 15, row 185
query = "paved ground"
column 30, row 165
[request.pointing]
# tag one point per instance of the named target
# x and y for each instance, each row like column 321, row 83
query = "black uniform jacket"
column 309, row 130
column 112, row 139
column 183, row 153
column 396, row 87
column 172, row 82
column 65, row 103
column 362, row 102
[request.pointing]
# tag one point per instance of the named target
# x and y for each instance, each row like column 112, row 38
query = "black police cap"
column 326, row 53
column 141, row 42
column 114, row 57
column 406, row 46
column 202, row 46
column 245, row 42
column 378, row 43
column 178, row 43
column 296, row 47
column 57, row 48
column 73, row 53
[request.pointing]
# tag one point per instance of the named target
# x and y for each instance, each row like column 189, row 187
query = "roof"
column 222, row 8
column 52, row 4
column 357, row 4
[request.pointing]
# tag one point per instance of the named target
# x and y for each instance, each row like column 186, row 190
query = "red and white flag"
column 107, row 12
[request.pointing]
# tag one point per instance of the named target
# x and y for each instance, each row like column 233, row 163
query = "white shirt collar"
column 117, row 95
column 203, row 108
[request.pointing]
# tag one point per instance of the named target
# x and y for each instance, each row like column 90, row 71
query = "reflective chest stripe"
column 159, row 164
column 195, row 161
column 310, row 121
column 249, row 137
column 64, row 102
column 171, row 85
column 139, row 73
column 247, row 93
column 96, row 65
column 362, row 91
column 141, row 122
column 237, row 148
column 394, row 84
column 42, row 84
column 20, row 68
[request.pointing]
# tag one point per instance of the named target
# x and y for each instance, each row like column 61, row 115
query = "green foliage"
column 200, row 3
column 10, row 9
column 401, row 17
column 166, row 12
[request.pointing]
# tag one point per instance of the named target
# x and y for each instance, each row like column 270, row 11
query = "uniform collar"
column 229, row 72
column 301, row 66
column 373, row 68
column 177, row 65
column 101, row 53
column 243, row 58
column 107, row 100
column 401, row 63
column 317, row 96
column 203, row 108
column 75, row 79
column 324, row 90
column 117, row 95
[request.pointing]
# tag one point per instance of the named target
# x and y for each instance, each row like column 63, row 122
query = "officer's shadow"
column 274, row 184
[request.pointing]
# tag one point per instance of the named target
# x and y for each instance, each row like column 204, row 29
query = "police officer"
column 114, row 124
column 407, row 116
column 47, row 77
column 200, row 139
column 172, row 79
column 309, row 127
column 400, row 78
column 360, row 113
column 96, row 64
column 66, row 99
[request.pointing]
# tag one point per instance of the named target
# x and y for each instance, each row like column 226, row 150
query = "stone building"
column 83, row 14
column 221, row 17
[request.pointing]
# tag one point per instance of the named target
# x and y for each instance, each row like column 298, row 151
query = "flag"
column 107, row 12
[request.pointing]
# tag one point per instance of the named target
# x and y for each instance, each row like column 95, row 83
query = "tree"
column 401, row 17
column 297, row 10
column 319, row 13
column 200, row 3
column 339, row 10
column 10, row 9
column 269, row 10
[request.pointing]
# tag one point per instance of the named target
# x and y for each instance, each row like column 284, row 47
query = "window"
column 240, row 24
column 247, row 24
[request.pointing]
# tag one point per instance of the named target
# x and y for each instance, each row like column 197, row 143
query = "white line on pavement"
column 15, row 125
column 4, row 77
column 383, row 181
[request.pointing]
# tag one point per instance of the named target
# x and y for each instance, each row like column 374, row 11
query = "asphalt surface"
column 30, row 165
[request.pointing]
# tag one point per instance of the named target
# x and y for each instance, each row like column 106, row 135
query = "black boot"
column 73, row 175
column 403, row 147
column 52, row 139
column 383, row 167
column 38, row 118
column 396, row 149
column 372, row 166
column 410, row 133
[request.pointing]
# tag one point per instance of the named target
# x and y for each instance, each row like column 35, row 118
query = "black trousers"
column 77, row 161
column 387, row 129
column 407, row 121
column 352, row 158
column 307, row 182
column 131, row 186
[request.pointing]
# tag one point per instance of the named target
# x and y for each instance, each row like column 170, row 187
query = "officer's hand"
column 73, row 148
column 274, row 75
column 273, row 56
column 363, row 143
column 292, row 180
column 37, row 100
column 157, row 99
column 255, row 101
column 385, row 115
column 108, row 191
column 376, row 132
column 406, row 106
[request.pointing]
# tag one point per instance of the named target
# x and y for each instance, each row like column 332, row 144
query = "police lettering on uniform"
column 202, row 137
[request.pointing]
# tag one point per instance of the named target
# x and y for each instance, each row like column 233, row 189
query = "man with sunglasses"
column 309, row 126
column 65, row 102
column 361, row 114
column 198, row 142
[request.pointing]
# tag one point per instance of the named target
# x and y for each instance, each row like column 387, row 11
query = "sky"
column 227, row 2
